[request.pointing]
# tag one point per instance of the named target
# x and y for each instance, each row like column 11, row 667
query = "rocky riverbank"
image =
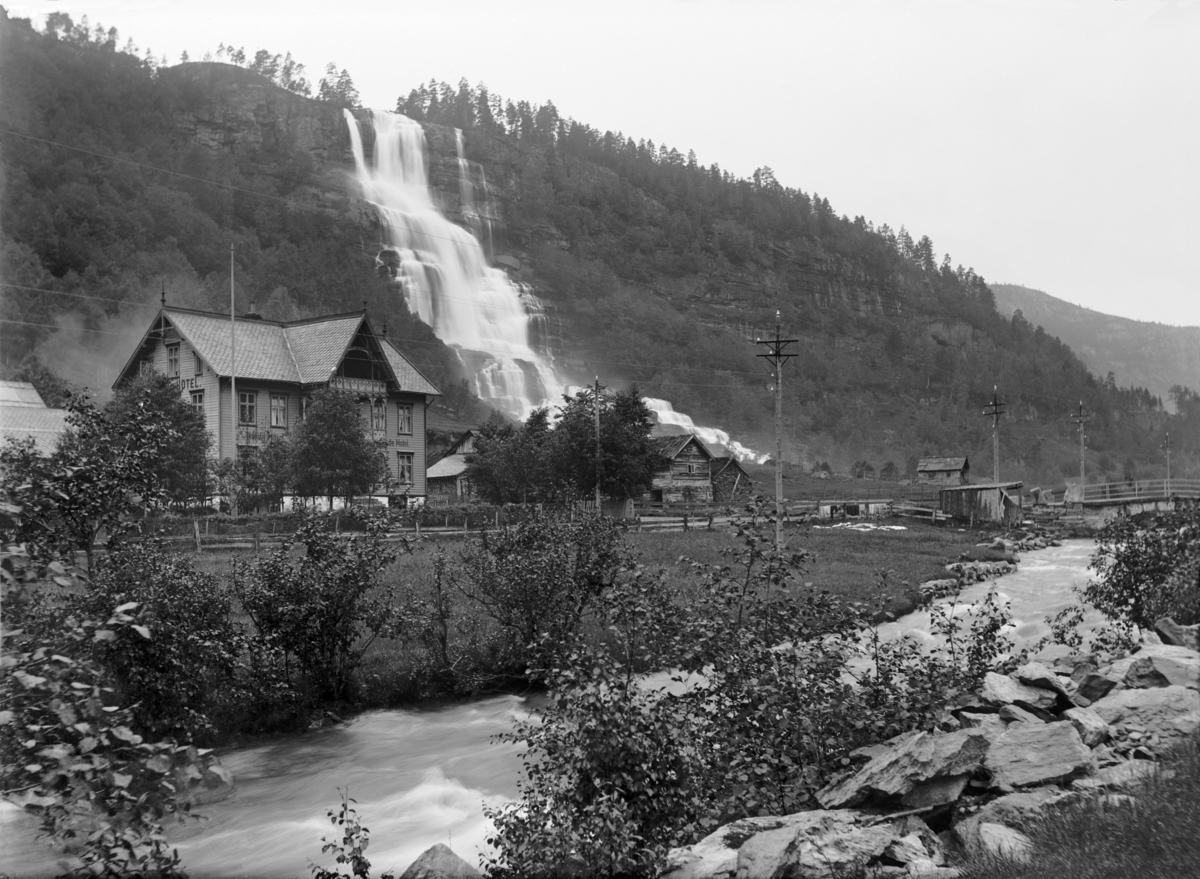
column 1059, row 729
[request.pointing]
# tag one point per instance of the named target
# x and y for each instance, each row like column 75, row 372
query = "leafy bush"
column 1143, row 564
column 68, row 749
column 199, row 673
column 325, row 609
column 537, row 580
column 776, row 683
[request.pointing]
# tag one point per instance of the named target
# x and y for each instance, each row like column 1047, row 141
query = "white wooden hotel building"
column 278, row 365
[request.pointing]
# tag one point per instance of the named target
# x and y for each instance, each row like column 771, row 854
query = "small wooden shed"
column 943, row 471
column 994, row 502
column 446, row 481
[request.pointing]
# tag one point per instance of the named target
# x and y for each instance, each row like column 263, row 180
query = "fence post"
column 685, row 521
column 256, row 540
column 196, row 527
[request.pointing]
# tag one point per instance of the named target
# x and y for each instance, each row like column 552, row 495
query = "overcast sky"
column 1050, row 143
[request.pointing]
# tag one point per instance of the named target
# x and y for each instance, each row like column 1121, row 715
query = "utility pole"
column 233, row 397
column 995, row 409
column 776, row 357
column 1167, row 448
column 596, row 407
column 1082, row 418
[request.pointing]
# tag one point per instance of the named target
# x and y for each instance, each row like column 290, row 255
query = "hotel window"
column 404, row 424
column 379, row 415
column 173, row 361
column 247, row 407
column 198, row 402
column 199, row 363
column 279, row 410
column 404, row 472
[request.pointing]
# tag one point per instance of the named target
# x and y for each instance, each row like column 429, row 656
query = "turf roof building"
column 279, row 364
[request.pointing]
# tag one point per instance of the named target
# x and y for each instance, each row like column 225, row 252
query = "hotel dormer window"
column 173, row 361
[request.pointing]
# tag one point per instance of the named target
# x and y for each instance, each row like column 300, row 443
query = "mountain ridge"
column 1147, row 354
column 654, row 269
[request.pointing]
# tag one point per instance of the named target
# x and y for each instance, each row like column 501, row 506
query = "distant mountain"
column 1140, row 354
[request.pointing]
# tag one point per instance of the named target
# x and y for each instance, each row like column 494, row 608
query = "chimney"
column 252, row 314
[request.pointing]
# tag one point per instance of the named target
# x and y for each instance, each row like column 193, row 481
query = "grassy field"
column 845, row 562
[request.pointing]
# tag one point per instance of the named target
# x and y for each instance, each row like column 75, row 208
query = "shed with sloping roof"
column 943, row 471
column 24, row 417
column 992, row 502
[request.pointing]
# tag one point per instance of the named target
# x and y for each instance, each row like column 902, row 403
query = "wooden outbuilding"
column 994, row 502
column 446, row 480
column 686, row 478
column 730, row 481
column 943, row 471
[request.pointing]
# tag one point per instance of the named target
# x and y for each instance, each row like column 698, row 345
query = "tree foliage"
column 332, row 454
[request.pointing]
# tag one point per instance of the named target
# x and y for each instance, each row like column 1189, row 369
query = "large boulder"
column 1002, row 840
column 1171, row 713
column 439, row 862
column 1001, row 689
column 1020, row 810
column 827, row 845
column 1036, row 754
column 1120, row 777
column 1092, row 728
column 716, row 855
column 1179, row 636
column 913, row 762
column 1178, row 666
column 1093, row 686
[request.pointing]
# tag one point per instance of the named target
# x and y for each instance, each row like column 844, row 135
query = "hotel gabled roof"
column 300, row 352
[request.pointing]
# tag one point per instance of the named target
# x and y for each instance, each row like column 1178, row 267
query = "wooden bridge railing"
column 1141, row 489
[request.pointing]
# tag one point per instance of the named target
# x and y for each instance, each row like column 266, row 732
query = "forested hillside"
column 123, row 176
column 1159, row 357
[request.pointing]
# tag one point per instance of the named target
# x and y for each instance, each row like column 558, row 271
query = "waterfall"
column 669, row 421
column 444, row 273
column 493, row 322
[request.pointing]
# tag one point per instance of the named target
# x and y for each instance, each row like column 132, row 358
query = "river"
column 422, row 777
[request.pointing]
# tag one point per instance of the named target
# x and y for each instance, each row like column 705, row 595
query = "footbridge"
column 1102, row 502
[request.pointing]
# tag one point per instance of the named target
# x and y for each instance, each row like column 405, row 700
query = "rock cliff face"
column 227, row 108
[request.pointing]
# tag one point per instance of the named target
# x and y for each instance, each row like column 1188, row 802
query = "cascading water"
column 493, row 322
column 669, row 421
column 444, row 273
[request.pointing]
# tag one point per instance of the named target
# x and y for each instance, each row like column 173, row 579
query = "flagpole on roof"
column 233, row 398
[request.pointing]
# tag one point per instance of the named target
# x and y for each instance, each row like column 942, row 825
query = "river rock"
column 1094, row 686
column 1017, row 714
column 1005, row 842
column 439, row 862
column 937, row 792
column 824, row 845
column 716, row 855
column 1179, row 666
column 1172, row 713
column 916, row 760
column 1142, row 675
column 1178, row 636
column 1034, row 674
column 1091, row 727
column 1004, row 690
column 1120, row 777
column 1037, row 753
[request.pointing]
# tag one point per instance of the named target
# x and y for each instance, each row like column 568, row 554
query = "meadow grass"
column 885, row 566
column 1154, row 833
